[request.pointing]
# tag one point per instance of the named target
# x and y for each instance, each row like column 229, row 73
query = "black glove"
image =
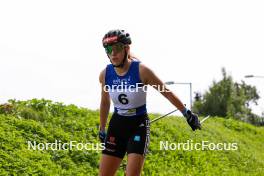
column 192, row 120
column 102, row 136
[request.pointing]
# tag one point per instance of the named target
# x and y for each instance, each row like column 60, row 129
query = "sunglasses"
column 118, row 47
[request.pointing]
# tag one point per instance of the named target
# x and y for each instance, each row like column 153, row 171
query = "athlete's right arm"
column 105, row 102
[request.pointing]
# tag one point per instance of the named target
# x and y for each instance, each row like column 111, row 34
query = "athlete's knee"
column 133, row 172
column 109, row 165
column 104, row 170
column 135, row 164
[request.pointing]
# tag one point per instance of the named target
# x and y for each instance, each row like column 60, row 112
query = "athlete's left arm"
column 148, row 77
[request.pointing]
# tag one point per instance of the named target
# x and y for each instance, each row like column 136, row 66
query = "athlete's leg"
column 109, row 165
column 134, row 164
column 137, row 148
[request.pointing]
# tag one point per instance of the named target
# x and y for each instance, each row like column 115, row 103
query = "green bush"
column 43, row 121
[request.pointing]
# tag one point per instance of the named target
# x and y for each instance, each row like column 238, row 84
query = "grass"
column 44, row 121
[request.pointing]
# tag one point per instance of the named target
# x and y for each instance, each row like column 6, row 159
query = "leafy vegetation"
column 227, row 98
column 44, row 121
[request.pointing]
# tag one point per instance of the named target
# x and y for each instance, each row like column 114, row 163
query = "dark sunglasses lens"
column 108, row 49
column 116, row 47
column 119, row 47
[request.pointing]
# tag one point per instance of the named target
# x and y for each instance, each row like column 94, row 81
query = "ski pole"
column 207, row 117
column 158, row 118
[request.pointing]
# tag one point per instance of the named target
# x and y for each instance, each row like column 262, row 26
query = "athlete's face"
column 116, row 52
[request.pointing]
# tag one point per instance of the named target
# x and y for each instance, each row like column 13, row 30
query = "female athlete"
column 124, row 82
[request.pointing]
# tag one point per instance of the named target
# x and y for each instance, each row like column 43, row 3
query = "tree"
column 227, row 98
